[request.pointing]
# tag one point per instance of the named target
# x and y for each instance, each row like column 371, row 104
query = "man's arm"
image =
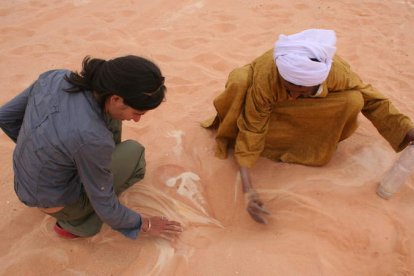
column 390, row 123
column 12, row 114
column 253, row 126
column 388, row 120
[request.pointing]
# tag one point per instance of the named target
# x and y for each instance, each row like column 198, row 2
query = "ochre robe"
column 256, row 115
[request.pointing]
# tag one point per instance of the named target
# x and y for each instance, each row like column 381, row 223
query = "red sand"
column 326, row 221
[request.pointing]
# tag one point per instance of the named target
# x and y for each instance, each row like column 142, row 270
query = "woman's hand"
column 161, row 227
column 255, row 207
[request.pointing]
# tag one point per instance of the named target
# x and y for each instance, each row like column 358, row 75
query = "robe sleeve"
column 253, row 124
column 387, row 119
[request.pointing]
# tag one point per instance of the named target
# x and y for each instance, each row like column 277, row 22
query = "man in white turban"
column 305, row 58
column 294, row 104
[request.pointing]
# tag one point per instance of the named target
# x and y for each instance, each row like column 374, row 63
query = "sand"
column 325, row 221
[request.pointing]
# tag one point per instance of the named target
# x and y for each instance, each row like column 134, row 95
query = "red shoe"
column 64, row 233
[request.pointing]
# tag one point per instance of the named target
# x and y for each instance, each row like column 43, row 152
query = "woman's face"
column 299, row 91
column 116, row 108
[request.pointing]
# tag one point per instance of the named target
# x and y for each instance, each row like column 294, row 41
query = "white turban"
column 293, row 54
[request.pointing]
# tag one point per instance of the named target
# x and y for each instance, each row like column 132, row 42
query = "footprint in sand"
column 12, row 31
column 189, row 42
column 44, row 261
column 35, row 48
column 213, row 62
column 78, row 3
column 224, row 27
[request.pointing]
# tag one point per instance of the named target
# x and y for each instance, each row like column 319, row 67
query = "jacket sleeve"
column 387, row 119
column 12, row 114
column 93, row 163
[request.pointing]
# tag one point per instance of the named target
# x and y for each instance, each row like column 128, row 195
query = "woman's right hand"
column 161, row 226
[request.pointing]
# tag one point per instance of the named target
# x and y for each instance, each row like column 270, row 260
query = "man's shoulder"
column 264, row 70
column 338, row 63
column 264, row 59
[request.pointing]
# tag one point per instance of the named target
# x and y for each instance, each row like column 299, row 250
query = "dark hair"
column 135, row 79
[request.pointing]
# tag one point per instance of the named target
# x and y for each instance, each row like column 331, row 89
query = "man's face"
column 116, row 108
column 298, row 91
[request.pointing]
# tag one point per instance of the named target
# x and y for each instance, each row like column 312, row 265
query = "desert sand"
column 325, row 220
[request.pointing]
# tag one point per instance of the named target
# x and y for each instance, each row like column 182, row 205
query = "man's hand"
column 410, row 136
column 161, row 227
column 255, row 207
